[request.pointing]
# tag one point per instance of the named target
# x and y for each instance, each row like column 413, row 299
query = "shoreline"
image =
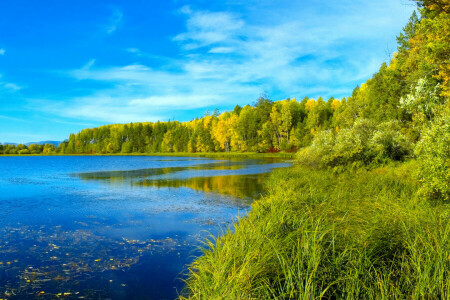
column 173, row 154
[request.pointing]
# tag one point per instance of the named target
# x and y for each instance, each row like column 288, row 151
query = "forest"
column 364, row 213
column 405, row 95
column 267, row 126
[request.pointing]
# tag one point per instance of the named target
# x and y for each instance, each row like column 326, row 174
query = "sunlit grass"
column 356, row 235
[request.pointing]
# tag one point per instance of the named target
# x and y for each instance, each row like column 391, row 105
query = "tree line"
column 406, row 95
column 266, row 126
column 349, row 220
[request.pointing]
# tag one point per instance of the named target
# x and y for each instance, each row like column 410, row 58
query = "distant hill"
column 6, row 143
column 55, row 143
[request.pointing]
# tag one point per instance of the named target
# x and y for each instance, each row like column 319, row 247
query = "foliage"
column 433, row 152
column 31, row 149
column 319, row 235
column 359, row 233
column 363, row 144
column 422, row 101
column 267, row 126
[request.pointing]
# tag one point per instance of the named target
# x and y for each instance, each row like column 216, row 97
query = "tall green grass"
column 353, row 235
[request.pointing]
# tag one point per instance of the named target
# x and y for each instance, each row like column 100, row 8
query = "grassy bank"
column 355, row 235
column 178, row 154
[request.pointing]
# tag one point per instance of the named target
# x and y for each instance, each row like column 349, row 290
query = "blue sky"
column 66, row 65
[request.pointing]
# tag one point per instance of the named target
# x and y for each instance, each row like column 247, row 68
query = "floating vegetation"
column 89, row 232
column 50, row 262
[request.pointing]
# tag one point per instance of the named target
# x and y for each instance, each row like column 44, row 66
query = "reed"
column 354, row 235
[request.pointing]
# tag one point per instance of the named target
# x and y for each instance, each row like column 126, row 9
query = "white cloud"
column 207, row 28
column 89, row 64
column 8, row 86
column 12, row 86
column 221, row 50
column 226, row 59
column 14, row 119
column 2, row 51
column 133, row 50
column 101, row 108
column 115, row 20
column 66, row 122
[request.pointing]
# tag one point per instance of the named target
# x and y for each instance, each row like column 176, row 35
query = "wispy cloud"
column 221, row 50
column 5, row 85
column 208, row 28
column 14, row 119
column 12, row 86
column 225, row 59
column 66, row 122
column 8, row 86
column 114, row 21
column 100, row 108
column 134, row 51
column 89, row 64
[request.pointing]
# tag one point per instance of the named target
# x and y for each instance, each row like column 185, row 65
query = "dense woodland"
column 364, row 213
column 267, row 126
column 405, row 95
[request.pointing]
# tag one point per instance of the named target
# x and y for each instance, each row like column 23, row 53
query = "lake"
column 115, row 227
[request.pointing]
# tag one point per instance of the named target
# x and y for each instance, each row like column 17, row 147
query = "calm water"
column 114, row 227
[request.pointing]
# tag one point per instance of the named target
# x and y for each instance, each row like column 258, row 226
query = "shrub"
column 24, row 151
column 433, row 152
column 322, row 146
column 388, row 143
column 423, row 100
column 362, row 144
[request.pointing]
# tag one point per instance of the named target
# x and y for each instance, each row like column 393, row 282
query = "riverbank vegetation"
column 365, row 211
column 362, row 234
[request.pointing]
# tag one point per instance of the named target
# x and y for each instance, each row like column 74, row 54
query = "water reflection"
column 126, row 232
column 265, row 166
column 244, row 187
column 242, row 179
column 129, row 176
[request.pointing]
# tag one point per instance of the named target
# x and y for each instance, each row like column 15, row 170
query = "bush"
column 362, row 144
column 388, row 143
column 433, row 152
column 322, row 146
column 24, row 151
